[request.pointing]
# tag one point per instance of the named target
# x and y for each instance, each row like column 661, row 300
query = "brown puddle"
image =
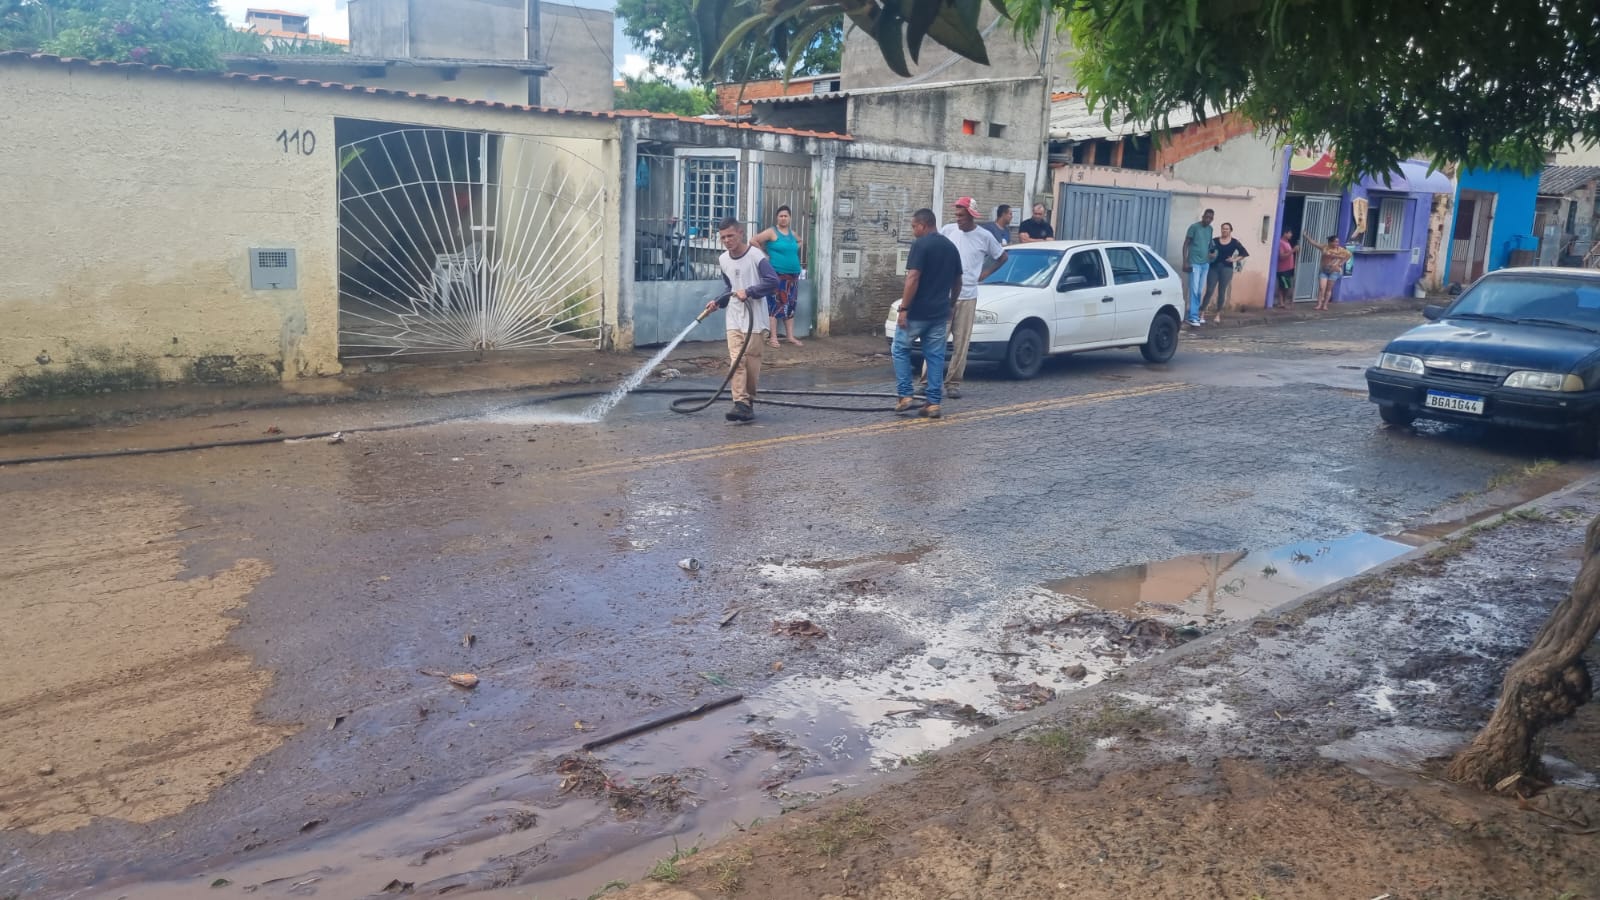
column 1232, row 585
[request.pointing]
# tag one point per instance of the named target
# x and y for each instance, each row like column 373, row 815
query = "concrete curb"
column 1055, row 708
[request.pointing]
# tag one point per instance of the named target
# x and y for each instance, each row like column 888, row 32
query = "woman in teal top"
column 786, row 251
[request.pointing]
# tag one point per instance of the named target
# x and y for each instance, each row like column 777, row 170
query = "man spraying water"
column 749, row 278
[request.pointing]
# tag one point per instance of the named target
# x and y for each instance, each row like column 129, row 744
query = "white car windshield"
column 1026, row 268
column 1541, row 299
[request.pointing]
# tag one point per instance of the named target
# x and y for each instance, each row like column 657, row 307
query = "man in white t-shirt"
column 749, row 278
column 980, row 255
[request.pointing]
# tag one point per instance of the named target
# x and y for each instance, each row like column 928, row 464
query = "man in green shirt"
column 1197, row 256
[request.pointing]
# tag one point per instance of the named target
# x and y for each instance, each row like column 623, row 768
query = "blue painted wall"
column 1513, row 213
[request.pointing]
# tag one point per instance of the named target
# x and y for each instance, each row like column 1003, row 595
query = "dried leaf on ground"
column 798, row 628
column 1020, row 697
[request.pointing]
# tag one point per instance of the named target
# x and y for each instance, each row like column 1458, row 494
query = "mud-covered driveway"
column 215, row 663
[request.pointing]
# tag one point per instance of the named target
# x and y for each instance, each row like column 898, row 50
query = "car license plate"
column 1455, row 402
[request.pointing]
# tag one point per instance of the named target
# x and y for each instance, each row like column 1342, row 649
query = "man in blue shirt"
column 1197, row 256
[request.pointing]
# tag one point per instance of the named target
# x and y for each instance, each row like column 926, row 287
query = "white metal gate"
column 458, row 241
column 1321, row 218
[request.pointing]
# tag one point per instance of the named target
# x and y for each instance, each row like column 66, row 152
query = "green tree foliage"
column 685, row 35
column 664, row 96
column 1480, row 82
column 186, row 33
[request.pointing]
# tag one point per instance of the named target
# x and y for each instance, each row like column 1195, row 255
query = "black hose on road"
column 696, row 400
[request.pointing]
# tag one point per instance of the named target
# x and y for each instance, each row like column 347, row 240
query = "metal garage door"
column 1087, row 212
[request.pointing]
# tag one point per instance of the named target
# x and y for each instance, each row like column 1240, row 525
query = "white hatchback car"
column 1065, row 296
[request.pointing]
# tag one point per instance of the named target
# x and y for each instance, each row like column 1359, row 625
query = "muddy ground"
column 225, row 665
column 1299, row 755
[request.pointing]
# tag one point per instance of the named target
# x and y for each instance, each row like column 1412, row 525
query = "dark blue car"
column 1520, row 348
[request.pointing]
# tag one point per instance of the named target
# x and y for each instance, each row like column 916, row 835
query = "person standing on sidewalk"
column 1197, row 254
column 1037, row 228
column 1001, row 226
column 1334, row 257
column 1227, row 255
column 933, row 282
column 977, row 247
column 1286, row 269
column 749, row 278
column 787, row 252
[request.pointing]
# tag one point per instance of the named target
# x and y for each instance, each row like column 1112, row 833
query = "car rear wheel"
column 1163, row 340
column 1025, row 353
column 1398, row 416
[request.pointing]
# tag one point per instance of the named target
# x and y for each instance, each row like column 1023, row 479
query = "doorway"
column 1469, row 244
column 1318, row 216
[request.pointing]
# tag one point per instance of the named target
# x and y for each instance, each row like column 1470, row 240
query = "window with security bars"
column 710, row 192
column 1385, row 224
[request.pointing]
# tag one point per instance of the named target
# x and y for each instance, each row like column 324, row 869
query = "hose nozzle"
column 721, row 301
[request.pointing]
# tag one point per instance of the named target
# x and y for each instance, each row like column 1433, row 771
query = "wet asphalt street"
column 544, row 559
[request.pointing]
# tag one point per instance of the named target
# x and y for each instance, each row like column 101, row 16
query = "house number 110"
column 302, row 142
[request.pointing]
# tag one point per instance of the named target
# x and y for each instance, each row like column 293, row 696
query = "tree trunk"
column 1547, row 684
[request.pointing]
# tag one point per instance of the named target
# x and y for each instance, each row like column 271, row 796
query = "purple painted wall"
column 1387, row 274
column 1379, row 274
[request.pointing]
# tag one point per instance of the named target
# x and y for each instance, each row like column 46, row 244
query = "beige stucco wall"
column 1239, row 181
column 132, row 198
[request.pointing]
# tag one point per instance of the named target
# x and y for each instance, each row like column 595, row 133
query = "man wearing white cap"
column 980, row 255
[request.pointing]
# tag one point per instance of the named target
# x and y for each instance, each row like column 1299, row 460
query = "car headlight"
column 1544, row 381
column 985, row 317
column 1399, row 362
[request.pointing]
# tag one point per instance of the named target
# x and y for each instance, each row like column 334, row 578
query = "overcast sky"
column 328, row 17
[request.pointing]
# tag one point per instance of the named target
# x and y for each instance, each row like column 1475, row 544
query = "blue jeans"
column 1197, row 288
column 932, row 334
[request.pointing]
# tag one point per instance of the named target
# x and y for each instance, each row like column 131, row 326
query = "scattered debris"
column 948, row 710
column 584, row 776
column 1077, row 671
column 668, row 374
column 714, row 678
column 47, row 769
column 729, row 616
column 689, row 565
column 311, row 824
column 777, row 666
column 273, row 429
column 336, row 722
column 1021, row 697
column 468, row 640
column 798, row 628
column 938, row 663
column 336, row 438
column 221, row 882
column 580, row 726
column 769, row 740
column 1150, row 634
column 459, row 679
column 398, row 887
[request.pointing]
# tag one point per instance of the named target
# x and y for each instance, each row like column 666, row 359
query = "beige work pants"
column 748, row 372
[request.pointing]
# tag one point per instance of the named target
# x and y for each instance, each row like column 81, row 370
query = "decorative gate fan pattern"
column 455, row 241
